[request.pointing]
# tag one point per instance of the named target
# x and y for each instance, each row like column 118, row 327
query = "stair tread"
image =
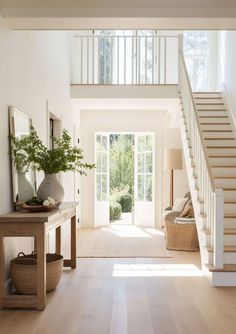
column 220, row 147
column 219, row 166
column 226, row 268
column 210, row 104
column 211, row 109
column 225, row 177
column 217, row 131
column 215, row 123
column 221, row 156
column 207, row 116
column 206, row 138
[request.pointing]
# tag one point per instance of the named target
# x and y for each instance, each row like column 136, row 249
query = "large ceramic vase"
column 51, row 187
column 25, row 188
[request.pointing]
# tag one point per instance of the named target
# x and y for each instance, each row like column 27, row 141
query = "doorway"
column 125, row 178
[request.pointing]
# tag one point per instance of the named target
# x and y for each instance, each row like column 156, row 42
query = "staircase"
column 209, row 144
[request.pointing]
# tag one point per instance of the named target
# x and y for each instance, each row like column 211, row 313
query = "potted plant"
column 62, row 158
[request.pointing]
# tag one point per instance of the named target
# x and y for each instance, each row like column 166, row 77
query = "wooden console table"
column 25, row 224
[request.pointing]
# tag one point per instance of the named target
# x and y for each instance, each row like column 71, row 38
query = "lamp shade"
column 173, row 159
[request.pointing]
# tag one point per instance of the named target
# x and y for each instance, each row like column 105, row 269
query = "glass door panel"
column 144, row 175
column 102, row 179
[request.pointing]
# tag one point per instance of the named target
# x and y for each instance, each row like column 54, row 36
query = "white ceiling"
column 118, row 3
column 119, row 14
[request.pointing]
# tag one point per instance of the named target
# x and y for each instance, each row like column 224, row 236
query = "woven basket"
column 23, row 272
column 181, row 237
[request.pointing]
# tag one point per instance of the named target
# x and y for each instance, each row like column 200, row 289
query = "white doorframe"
column 144, row 196
column 102, row 210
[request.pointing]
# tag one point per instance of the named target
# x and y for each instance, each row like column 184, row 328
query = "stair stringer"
column 197, row 205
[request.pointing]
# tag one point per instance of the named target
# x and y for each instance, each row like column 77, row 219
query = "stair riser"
column 224, row 171
column 230, row 208
column 223, row 279
column 210, row 107
column 215, row 127
column 229, row 239
column 231, row 142
column 229, row 196
column 223, row 161
column 212, row 100
column 208, row 95
column 230, row 222
column 218, row 135
column 221, row 151
column 229, row 258
column 212, row 113
column 222, row 183
column 214, row 120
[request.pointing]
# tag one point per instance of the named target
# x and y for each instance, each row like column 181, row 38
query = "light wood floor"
column 130, row 296
column 121, row 240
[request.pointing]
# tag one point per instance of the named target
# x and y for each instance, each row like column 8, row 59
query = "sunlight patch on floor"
column 127, row 231
column 156, row 270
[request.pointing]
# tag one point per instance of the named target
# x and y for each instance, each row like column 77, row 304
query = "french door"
column 144, row 208
column 101, row 212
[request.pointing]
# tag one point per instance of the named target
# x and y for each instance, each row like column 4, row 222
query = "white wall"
column 34, row 67
column 156, row 121
column 228, row 67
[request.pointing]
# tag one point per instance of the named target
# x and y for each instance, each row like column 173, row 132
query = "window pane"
column 98, row 184
column 141, row 144
column 141, row 162
column 104, row 163
column 150, row 60
column 98, row 143
column 104, row 187
column 149, row 142
column 98, row 163
column 149, row 163
column 141, row 180
column 104, row 143
column 196, row 43
column 104, row 60
column 149, row 188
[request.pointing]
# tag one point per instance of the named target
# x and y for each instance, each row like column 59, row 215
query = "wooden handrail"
column 182, row 60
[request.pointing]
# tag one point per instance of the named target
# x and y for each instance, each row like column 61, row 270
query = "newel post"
column 218, row 230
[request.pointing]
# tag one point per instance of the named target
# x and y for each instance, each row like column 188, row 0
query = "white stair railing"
column 125, row 60
column 211, row 198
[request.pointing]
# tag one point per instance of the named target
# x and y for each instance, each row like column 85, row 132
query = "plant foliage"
column 122, row 163
column 63, row 158
column 115, row 210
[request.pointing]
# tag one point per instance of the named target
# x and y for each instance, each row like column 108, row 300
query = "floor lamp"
column 172, row 161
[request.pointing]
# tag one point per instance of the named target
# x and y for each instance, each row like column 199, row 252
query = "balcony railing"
column 125, row 60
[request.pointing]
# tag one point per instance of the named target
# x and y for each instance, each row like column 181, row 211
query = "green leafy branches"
column 63, row 158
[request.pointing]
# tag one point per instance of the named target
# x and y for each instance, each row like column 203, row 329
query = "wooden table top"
column 38, row 217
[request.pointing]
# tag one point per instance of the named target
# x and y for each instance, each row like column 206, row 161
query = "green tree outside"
column 122, row 163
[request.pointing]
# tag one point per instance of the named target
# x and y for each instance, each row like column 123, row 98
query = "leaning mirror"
column 23, row 176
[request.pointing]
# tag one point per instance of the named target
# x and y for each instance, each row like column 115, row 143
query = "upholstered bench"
column 181, row 234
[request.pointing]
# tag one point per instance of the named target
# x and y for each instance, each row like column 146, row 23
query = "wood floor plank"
column 130, row 296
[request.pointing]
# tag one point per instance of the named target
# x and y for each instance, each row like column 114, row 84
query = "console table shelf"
column 37, row 225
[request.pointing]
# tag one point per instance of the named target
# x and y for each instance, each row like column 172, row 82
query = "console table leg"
column 2, row 272
column 73, row 242
column 41, row 267
column 58, row 240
